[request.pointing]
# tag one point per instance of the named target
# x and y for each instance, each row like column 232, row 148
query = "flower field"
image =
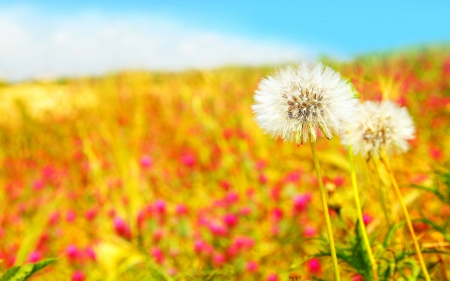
column 167, row 176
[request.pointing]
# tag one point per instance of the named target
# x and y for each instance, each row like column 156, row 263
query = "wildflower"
column 298, row 101
column 72, row 252
column 230, row 220
column 231, row 198
column 90, row 214
column 251, row 266
column 245, row 211
column 301, row 202
column 146, row 161
column 314, row 266
column 160, row 206
column 219, row 259
column 90, row 253
column 435, row 153
column 122, row 228
column 277, row 214
column 199, row 246
column 188, row 160
column 78, row 276
column 158, row 234
column 181, row 210
column 338, row 181
column 272, row 277
column 71, row 216
column 293, row 176
column 367, row 219
column 309, row 231
column 158, row 255
column 225, row 184
column 380, row 125
column 38, row 184
column 35, row 256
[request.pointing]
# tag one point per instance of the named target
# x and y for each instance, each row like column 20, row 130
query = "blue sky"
column 54, row 38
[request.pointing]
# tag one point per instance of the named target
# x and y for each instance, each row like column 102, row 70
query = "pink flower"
column 90, row 253
column 160, row 206
column 231, row 197
column 158, row 235
column 218, row 259
column 293, row 177
column 338, row 181
column 48, row 173
column 188, row 160
column 231, row 220
column 302, row 201
column 217, row 229
column 277, row 214
column 78, row 276
column 146, row 161
column 251, row 266
column 245, row 211
column 141, row 217
column 260, row 165
column 272, row 277
column 314, row 266
column 275, row 230
column 275, row 193
column 35, row 256
column 198, row 246
column 54, row 218
column 121, row 227
column 71, row 216
column 309, row 231
column 367, row 218
column 90, row 214
column 38, row 184
column 72, row 252
column 181, row 210
column 225, row 184
column 262, row 178
column 357, row 277
column 232, row 251
column 158, row 255
column 172, row 271
column 436, row 153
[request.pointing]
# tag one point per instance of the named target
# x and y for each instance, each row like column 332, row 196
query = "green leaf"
column 10, row 273
column 436, row 192
column 391, row 233
column 22, row 273
column 44, row 263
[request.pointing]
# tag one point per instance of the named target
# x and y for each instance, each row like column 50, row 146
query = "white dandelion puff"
column 298, row 103
column 380, row 126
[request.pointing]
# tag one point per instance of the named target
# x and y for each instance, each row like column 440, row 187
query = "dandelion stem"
column 407, row 218
column 325, row 210
column 360, row 216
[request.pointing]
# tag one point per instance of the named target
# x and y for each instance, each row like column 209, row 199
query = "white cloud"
column 34, row 45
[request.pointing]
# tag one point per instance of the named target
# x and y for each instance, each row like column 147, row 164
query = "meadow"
column 166, row 176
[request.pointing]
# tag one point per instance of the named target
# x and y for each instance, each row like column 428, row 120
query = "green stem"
column 360, row 216
column 325, row 210
column 407, row 218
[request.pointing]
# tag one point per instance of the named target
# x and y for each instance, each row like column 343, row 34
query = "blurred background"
column 42, row 39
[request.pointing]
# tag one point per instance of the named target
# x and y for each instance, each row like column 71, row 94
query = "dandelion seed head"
column 380, row 126
column 298, row 103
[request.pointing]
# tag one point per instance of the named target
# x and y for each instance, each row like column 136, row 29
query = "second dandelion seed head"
column 380, row 126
